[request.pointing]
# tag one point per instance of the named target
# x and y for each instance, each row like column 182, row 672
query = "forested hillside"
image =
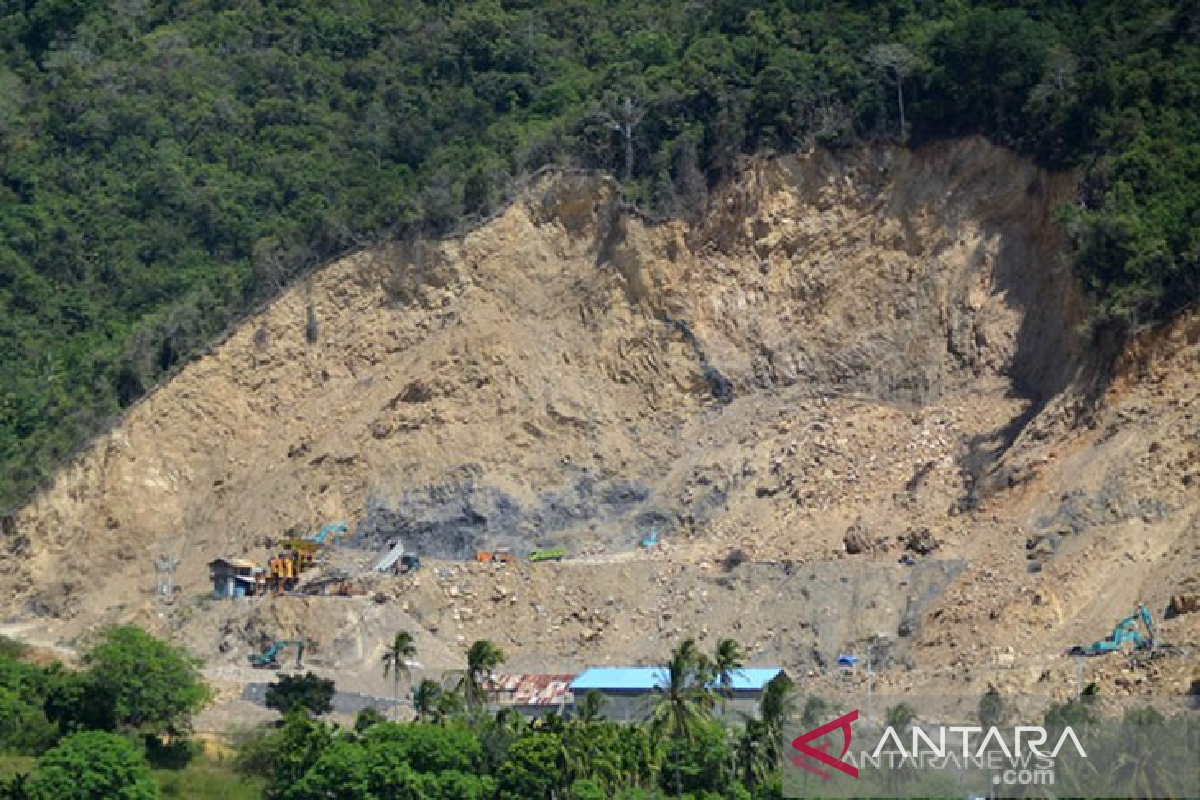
column 163, row 165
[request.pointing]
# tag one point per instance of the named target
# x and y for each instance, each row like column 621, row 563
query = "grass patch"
column 208, row 780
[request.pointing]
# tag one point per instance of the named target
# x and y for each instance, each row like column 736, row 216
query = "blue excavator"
column 268, row 659
column 1125, row 633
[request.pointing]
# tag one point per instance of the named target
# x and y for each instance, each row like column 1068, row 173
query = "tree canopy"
column 310, row 692
column 149, row 684
column 93, row 765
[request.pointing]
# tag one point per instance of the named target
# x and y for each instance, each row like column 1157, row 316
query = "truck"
column 548, row 554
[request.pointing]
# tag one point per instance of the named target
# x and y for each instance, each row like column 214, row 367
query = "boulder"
column 856, row 539
column 1184, row 604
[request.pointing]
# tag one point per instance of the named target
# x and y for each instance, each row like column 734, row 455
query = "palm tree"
column 591, row 708
column 1146, row 756
column 483, row 657
column 727, row 662
column 899, row 718
column 753, row 753
column 425, row 699
column 776, row 709
column 683, row 698
column 396, row 661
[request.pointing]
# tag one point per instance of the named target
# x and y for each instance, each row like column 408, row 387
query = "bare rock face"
column 845, row 345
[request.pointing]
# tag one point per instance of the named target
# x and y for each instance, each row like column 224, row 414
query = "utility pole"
column 165, row 566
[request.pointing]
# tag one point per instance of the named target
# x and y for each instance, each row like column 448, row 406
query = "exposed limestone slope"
column 841, row 341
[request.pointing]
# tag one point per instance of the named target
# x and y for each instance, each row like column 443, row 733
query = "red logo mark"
column 821, row 752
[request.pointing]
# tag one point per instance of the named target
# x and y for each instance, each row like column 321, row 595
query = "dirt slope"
column 878, row 344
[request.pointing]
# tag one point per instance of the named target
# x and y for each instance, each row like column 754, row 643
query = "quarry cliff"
column 848, row 358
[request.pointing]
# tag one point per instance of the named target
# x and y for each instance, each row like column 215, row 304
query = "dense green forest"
column 164, row 165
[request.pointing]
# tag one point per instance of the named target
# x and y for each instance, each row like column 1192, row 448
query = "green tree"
column 11, row 649
column 152, row 686
column 701, row 763
column 899, row 62
column 425, row 697
column 590, row 708
column 309, row 692
column 1148, row 754
column 991, row 708
column 23, row 725
column 283, row 755
column 431, row 748
column 777, row 709
column 727, row 662
column 449, row 705
column 367, row 718
column 533, row 768
column 396, row 660
column 342, row 772
column 482, row 659
column 93, row 765
column 901, row 771
column 682, row 700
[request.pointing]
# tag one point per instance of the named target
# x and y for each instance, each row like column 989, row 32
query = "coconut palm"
column 483, row 657
column 777, row 708
column 753, row 753
column 591, row 708
column 396, row 663
column 727, row 662
column 899, row 773
column 1146, row 757
column 683, row 699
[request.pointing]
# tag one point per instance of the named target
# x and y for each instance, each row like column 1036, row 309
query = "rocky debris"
column 920, row 541
column 1184, row 604
column 856, row 539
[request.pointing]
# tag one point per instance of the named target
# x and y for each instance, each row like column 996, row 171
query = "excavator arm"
column 1148, row 622
column 267, row 659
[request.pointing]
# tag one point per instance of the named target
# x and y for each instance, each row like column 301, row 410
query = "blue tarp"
column 847, row 661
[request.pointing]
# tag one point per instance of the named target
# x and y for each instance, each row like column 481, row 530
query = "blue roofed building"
column 628, row 691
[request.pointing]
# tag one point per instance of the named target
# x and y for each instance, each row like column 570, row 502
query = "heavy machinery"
column 502, row 555
column 651, row 541
column 267, row 659
column 548, row 554
column 398, row 560
column 1124, row 636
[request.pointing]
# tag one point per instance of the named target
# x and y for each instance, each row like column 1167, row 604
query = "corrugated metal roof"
column 531, row 690
column 650, row 678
